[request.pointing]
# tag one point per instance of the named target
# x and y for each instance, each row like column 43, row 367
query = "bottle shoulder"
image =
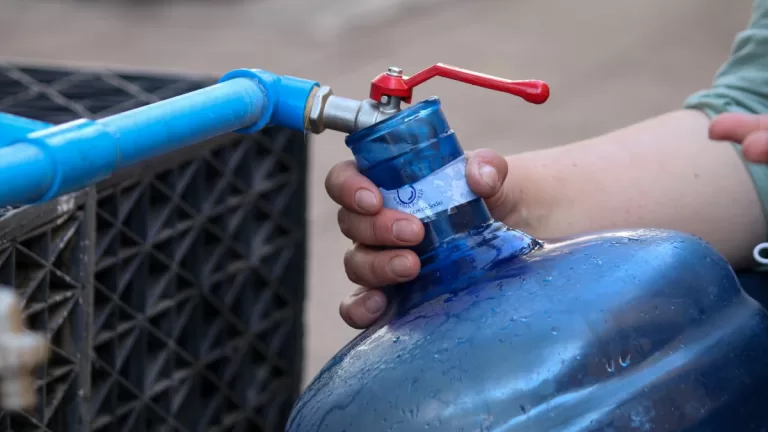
column 635, row 260
column 574, row 327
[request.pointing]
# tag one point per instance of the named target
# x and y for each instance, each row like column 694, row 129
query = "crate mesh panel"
column 193, row 298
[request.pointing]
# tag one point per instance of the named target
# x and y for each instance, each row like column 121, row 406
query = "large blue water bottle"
column 636, row 330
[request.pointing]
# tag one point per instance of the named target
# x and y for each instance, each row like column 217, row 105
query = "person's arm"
column 664, row 172
column 661, row 173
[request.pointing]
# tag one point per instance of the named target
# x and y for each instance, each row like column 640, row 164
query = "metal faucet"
column 392, row 88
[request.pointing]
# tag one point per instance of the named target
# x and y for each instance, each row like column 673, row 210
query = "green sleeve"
column 741, row 85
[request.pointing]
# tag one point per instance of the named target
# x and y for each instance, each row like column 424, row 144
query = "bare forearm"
column 661, row 173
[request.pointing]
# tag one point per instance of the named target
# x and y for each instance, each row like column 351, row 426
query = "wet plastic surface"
column 624, row 332
column 173, row 293
column 640, row 330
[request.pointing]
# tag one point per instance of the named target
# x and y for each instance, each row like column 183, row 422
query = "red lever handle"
column 393, row 83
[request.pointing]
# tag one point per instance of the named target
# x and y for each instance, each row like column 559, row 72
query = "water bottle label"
column 444, row 189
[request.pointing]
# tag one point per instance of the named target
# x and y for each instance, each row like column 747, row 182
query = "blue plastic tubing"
column 45, row 162
column 14, row 128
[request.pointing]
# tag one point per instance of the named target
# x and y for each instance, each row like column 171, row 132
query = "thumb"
column 486, row 172
column 736, row 126
column 755, row 147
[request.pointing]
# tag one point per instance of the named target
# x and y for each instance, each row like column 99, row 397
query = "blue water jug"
column 636, row 330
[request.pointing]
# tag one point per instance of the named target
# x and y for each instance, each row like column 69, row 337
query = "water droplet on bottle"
column 548, row 279
column 610, row 366
column 396, row 339
column 626, row 360
column 555, row 330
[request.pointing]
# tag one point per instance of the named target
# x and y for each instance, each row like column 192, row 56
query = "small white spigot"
column 21, row 351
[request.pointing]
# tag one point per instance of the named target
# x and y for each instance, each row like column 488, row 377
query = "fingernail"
column 405, row 231
column 400, row 266
column 489, row 175
column 373, row 304
column 366, row 200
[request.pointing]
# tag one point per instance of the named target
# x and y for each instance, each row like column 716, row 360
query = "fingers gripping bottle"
column 635, row 330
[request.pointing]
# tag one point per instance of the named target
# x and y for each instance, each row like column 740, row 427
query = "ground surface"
column 609, row 63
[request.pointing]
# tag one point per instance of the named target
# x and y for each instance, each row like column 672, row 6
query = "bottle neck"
column 441, row 198
column 419, row 166
column 452, row 223
column 465, row 260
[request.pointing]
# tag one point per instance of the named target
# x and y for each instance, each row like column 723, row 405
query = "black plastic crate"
column 174, row 301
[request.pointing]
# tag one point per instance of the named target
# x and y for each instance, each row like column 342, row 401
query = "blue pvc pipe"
column 45, row 163
column 14, row 128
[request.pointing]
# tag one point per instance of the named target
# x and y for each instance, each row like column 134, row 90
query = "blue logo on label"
column 407, row 195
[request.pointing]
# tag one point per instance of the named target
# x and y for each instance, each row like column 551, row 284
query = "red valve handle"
column 392, row 83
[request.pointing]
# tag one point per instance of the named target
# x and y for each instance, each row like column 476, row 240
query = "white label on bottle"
column 444, row 189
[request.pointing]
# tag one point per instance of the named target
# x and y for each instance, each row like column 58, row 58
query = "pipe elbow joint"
column 81, row 153
column 286, row 98
column 47, row 163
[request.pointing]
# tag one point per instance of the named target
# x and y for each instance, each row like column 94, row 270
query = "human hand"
column 363, row 220
column 749, row 130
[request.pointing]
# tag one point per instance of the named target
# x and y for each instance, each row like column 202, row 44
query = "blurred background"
column 609, row 63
